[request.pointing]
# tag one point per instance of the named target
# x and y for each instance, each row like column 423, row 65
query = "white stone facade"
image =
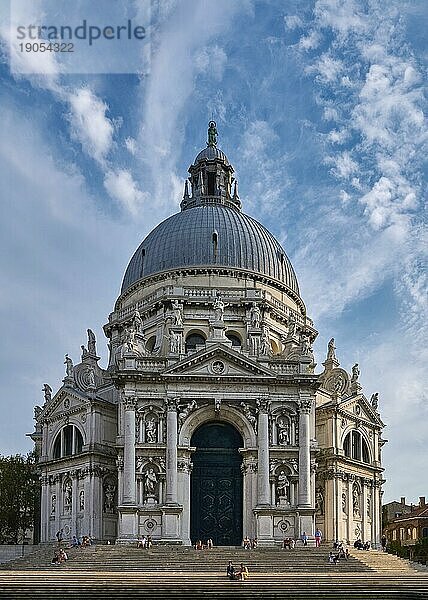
column 208, row 344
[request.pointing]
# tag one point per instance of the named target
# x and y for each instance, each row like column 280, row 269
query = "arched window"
column 193, row 341
column 355, row 447
column 425, row 532
column 69, row 441
column 236, row 342
column 150, row 344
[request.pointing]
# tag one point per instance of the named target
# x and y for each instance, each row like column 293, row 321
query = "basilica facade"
column 210, row 420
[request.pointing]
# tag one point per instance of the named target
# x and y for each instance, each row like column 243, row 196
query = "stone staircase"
column 128, row 572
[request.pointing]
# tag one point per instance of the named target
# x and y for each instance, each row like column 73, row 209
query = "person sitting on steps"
column 230, row 571
column 243, row 573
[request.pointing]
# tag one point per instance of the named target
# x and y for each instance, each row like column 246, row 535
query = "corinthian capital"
column 129, row 402
column 305, row 406
column 263, row 404
column 171, row 403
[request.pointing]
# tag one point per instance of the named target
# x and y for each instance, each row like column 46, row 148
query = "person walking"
column 304, row 538
column 318, row 537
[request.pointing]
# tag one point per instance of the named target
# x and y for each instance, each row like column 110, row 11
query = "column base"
column 264, row 526
column 171, row 530
column 128, row 525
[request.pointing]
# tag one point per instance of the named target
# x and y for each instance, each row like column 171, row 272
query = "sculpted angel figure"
column 178, row 313
column 331, row 355
column 255, row 315
column 47, row 391
column 69, row 367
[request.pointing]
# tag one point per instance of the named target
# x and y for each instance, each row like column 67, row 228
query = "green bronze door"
column 216, row 485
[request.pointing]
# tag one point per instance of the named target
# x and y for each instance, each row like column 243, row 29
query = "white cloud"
column 131, row 145
column 90, row 124
column 211, row 61
column 344, row 165
column 327, row 68
column 122, row 188
column 343, row 16
column 293, row 21
column 310, row 41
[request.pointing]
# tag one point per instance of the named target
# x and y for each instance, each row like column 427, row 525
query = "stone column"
column 129, row 489
column 74, row 503
column 263, row 485
column 305, row 406
column 45, row 508
column 171, row 451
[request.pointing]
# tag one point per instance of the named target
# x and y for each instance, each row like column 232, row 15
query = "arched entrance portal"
column 216, row 485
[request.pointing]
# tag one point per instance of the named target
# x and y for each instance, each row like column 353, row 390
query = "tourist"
column 246, row 543
column 199, row 545
column 59, row 536
column 243, row 573
column 304, row 538
column 383, row 543
column 366, row 546
column 230, row 571
column 347, row 555
column 74, row 542
column 210, row 544
column 318, row 537
column 149, row 542
column 55, row 559
column 254, row 544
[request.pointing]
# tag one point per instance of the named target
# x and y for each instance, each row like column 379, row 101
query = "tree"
column 19, row 497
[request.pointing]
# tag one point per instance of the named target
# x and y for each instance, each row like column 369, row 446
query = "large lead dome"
column 211, row 231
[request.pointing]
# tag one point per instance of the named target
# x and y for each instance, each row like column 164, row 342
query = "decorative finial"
column 212, row 134
column 235, row 191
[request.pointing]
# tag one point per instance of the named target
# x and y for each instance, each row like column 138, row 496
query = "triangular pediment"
column 361, row 409
column 65, row 401
column 219, row 361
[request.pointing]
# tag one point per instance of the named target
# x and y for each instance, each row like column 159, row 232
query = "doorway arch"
column 216, row 484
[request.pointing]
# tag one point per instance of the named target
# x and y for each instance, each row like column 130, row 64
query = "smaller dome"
column 211, row 153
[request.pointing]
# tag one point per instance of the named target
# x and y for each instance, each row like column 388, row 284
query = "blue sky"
column 320, row 108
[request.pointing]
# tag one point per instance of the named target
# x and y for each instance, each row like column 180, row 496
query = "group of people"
column 359, row 545
column 249, row 544
column 82, row 542
column 59, row 557
column 145, row 542
column 208, row 545
column 240, row 574
column 340, row 552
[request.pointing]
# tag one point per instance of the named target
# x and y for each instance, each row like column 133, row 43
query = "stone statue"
column 91, row 343
column 53, row 504
column 249, row 415
column 355, row 502
column 150, row 481
column 212, row 133
column 37, row 412
column 319, row 501
column 355, row 373
column 130, row 340
column 186, row 410
column 374, row 400
column 150, row 431
column 283, row 433
column 264, row 344
column 174, row 342
column 292, row 328
column 109, row 492
column 67, row 494
column 282, row 485
column 82, row 500
column 138, row 322
column 48, row 392
column 331, row 355
column 305, row 345
column 219, row 307
column 69, row 367
column 91, row 377
column 255, row 316
column 344, row 499
column 177, row 308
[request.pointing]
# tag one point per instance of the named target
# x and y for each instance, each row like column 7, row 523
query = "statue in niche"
column 109, row 493
column 319, row 501
column 177, row 308
column 151, row 431
column 255, row 316
column 53, row 504
column 355, row 502
column 355, row 373
column 138, row 323
column 92, row 350
column 306, row 345
column 130, row 340
column 47, row 392
column 292, row 328
column 282, row 486
column 331, row 355
column 150, row 481
column 82, row 500
column 283, row 432
column 67, row 494
column 369, row 506
column 69, row 367
column 344, row 502
column 374, row 400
